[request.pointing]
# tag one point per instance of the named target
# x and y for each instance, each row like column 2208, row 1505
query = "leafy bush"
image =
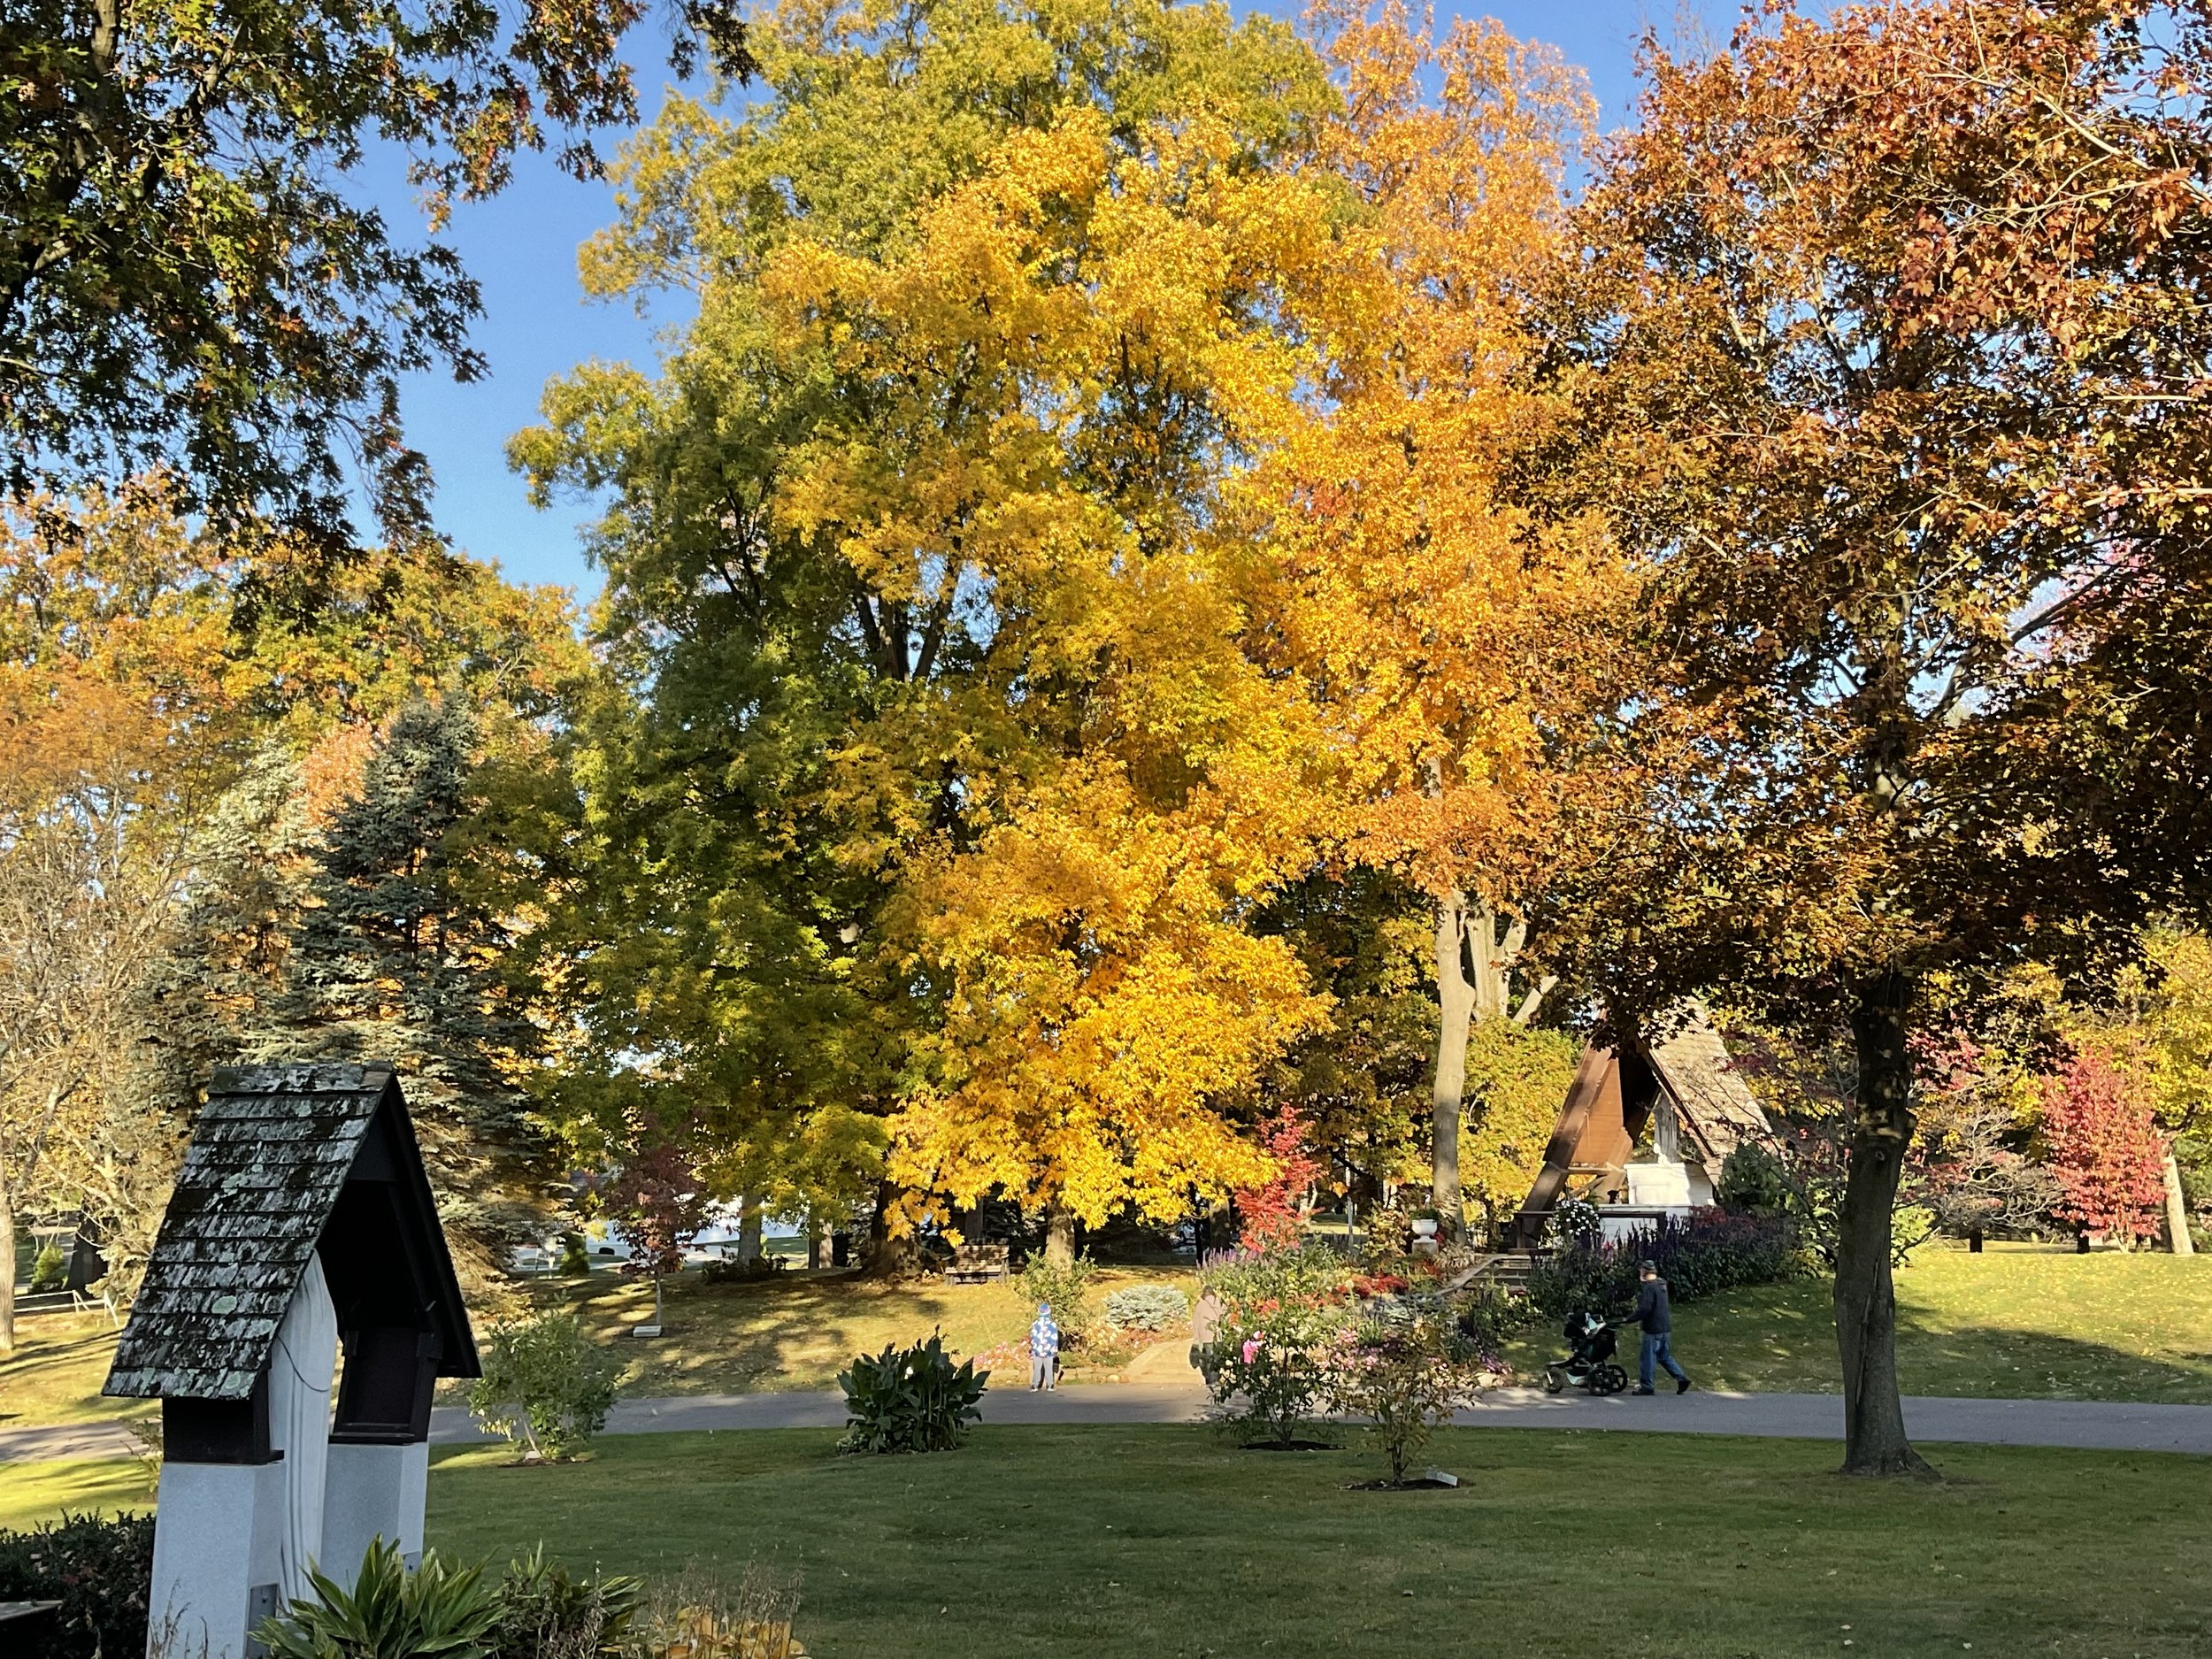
column 1910, row 1227
column 546, row 1386
column 1283, row 1314
column 910, row 1399
column 575, row 1259
column 1405, row 1375
column 435, row 1612
column 1147, row 1308
column 546, row 1612
column 729, row 1270
column 1389, row 1235
column 1710, row 1252
column 50, row 1269
column 1067, row 1288
column 100, row 1571
column 1754, row 1181
column 1488, row 1319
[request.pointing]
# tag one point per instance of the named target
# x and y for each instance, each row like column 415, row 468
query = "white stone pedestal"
column 373, row 1492
column 216, row 1557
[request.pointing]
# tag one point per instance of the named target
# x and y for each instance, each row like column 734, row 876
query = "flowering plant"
column 1404, row 1375
column 1282, row 1312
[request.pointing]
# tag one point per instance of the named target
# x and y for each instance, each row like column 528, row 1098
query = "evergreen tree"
column 399, row 956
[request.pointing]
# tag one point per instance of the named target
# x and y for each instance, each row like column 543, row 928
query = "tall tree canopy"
column 908, row 493
column 1452, row 643
column 1897, row 322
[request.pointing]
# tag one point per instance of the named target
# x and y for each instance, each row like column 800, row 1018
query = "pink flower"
column 1251, row 1349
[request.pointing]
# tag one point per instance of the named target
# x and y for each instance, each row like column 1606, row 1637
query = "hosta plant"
column 910, row 1399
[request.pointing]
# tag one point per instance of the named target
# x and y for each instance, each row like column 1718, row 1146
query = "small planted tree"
column 2106, row 1149
column 1405, row 1377
column 658, row 1209
column 1272, row 1213
column 545, row 1386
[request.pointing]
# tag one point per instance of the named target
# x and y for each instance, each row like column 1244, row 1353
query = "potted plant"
column 1426, row 1222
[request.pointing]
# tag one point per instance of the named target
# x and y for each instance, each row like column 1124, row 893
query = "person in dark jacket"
column 1653, row 1314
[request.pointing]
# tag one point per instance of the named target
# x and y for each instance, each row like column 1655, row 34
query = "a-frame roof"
column 1716, row 1108
column 270, row 1155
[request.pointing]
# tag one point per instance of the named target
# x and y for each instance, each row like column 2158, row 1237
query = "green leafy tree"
column 187, row 281
column 830, row 670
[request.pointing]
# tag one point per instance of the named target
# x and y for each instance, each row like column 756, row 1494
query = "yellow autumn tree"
column 1070, row 360
column 1449, row 637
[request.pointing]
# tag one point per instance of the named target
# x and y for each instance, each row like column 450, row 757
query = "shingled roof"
column 270, row 1155
column 1717, row 1109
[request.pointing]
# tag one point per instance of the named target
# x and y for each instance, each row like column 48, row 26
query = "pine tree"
column 399, row 956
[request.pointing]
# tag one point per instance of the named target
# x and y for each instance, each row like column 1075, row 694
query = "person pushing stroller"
column 1656, row 1320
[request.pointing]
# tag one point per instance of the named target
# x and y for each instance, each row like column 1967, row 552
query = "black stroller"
column 1589, row 1364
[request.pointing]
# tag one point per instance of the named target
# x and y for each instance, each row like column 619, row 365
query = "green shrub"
column 546, row 1386
column 1067, row 1288
column 434, row 1612
column 1754, row 1181
column 1910, row 1227
column 1389, row 1235
column 1147, row 1308
column 1710, row 1252
column 100, row 1571
column 1404, row 1376
column 546, row 1612
column 575, row 1259
column 50, row 1269
column 910, row 1399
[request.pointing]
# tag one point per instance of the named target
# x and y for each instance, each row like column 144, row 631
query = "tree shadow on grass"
column 1782, row 1338
column 794, row 1332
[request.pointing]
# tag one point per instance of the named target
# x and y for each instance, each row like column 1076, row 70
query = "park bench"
column 977, row 1264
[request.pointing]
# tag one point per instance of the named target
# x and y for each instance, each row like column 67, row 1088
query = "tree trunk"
column 7, row 1267
column 813, row 1244
column 2177, row 1238
column 1866, row 1299
column 748, row 1229
column 1456, row 1006
column 891, row 1254
column 1059, row 1235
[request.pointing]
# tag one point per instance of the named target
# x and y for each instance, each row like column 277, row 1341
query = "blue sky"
column 537, row 323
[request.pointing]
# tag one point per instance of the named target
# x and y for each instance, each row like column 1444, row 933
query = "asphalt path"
column 2097, row 1425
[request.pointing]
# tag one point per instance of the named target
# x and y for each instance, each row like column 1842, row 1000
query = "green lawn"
column 54, row 1375
column 1086, row 1543
column 2010, row 1324
column 1120, row 1541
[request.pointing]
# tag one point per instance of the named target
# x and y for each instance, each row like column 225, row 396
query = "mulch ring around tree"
column 1290, row 1446
column 1420, row 1483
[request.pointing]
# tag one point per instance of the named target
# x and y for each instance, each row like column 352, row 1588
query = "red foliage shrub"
column 2105, row 1148
column 1269, row 1211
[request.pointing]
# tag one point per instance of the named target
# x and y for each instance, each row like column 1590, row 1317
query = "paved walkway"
column 2097, row 1425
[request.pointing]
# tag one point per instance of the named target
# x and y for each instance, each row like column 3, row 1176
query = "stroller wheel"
column 1607, row 1379
column 1555, row 1381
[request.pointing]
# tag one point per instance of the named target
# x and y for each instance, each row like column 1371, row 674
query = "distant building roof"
column 272, row 1154
column 1715, row 1107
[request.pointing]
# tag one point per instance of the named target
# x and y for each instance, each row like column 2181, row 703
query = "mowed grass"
column 55, row 1374
column 2004, row 1325
column 799, row 1332
column 1082, row 1543
column 32, row 1493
